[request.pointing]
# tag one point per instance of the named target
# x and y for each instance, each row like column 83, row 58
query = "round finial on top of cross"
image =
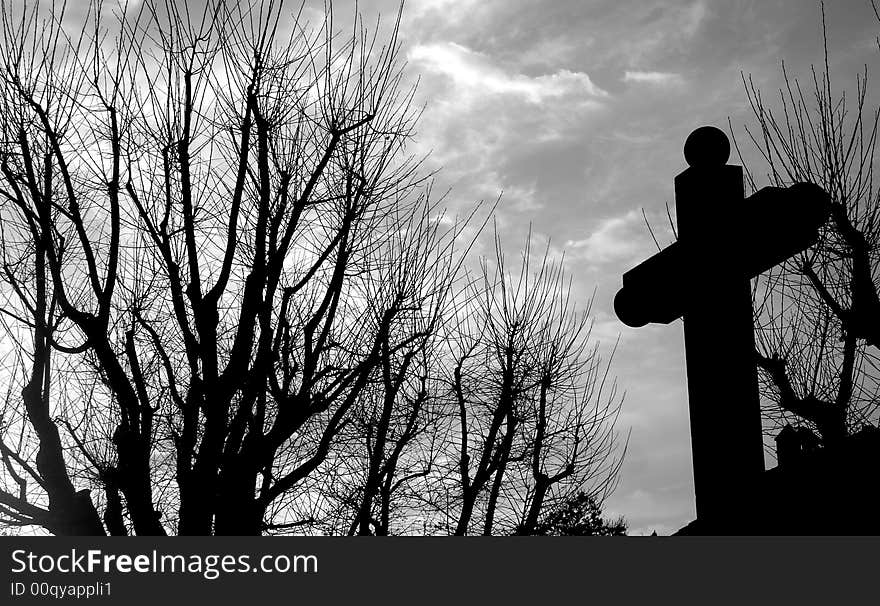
column 707, row 146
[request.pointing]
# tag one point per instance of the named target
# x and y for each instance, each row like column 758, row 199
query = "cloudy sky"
column 577, row 111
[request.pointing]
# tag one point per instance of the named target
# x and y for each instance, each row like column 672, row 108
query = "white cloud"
column 486, row 117
column 694, row 17
column 523, row 199
column 614, row 239
column 449, row 8
column 474, row 73
column 658, row 78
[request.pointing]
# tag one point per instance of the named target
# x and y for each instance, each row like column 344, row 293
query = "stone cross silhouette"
column 724, row 240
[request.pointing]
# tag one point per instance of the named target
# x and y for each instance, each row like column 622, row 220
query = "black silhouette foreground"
column 725, row 240
column 230, row 304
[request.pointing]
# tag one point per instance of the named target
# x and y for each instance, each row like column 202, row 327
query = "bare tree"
column 227, row 288
column 535, row 409
column 504, row 424
column 818, row 316
column 193, row 212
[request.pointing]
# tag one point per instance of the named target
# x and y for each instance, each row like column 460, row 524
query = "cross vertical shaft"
column 725, row 414
column 724, row 240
